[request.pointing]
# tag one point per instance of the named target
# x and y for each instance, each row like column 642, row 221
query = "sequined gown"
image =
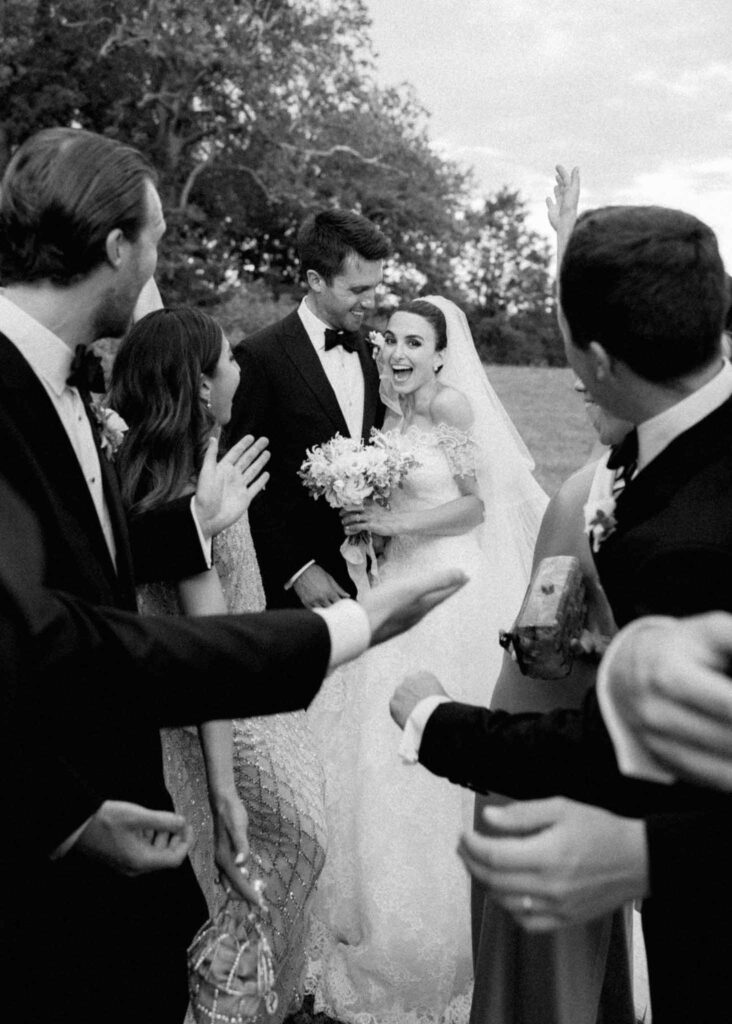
column 278, row 776
column 390, row 937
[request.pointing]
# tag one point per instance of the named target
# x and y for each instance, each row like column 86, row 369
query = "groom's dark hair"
column 326, row 239
column 649, row 285
column 62, row 193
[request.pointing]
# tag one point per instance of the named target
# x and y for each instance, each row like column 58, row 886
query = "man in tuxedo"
column 80, row 220
column 305, row 379
column 643, row 294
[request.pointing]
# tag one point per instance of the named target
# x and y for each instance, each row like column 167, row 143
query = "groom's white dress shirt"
column 343, row 370
column 654, row 435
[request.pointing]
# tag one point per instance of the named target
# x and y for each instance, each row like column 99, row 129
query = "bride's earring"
column 437, row 366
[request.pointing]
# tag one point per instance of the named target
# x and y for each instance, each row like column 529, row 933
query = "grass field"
column 549, row 416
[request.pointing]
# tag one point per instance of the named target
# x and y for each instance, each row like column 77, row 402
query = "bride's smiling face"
column 410, row 352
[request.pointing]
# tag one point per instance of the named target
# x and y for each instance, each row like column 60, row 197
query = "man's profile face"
column 344, row 302
column 137, row 265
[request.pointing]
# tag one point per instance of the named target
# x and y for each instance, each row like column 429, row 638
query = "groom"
column 643, row 291
column 305, row 379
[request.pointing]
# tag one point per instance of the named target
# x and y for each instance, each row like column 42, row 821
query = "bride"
column 390, row 939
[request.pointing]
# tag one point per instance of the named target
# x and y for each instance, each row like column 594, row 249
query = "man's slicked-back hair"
column 326, row 239
column 62, row 193
column 649, row 285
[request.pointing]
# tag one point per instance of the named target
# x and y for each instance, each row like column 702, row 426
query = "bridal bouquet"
column 347, row 472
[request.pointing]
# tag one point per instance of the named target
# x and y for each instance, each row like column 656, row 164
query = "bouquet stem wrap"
column 360, row 557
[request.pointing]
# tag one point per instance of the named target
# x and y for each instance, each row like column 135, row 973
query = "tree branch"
column 324, row 154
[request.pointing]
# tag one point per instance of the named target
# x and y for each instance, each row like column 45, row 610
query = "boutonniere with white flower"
column 112, row 428
column 376, row 341
column 600, row 521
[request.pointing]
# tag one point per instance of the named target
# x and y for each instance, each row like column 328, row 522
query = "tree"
column 254, row 112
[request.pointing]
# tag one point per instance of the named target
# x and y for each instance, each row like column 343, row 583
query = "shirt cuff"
column 633, row 759
column 63, row 848
column 349, row 629
column 206, row 542
column 415, row 726
column 298, row 574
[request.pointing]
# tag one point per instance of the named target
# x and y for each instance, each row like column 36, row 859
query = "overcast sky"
column 638, row 93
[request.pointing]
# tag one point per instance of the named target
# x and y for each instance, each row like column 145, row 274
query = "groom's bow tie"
column 623, row 459
column 347, row 339
column 86, row 372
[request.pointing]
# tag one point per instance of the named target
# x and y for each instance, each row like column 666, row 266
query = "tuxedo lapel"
column 115, row 508
column 653, row 490
column 44, row 453
column 370, row 387
column 687, row 454
column 299, row 350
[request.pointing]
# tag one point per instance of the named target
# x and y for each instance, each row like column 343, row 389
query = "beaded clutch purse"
column 231, row 967
column 551, row 617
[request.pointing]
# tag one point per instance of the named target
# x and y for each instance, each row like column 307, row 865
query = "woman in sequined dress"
column 173, row 382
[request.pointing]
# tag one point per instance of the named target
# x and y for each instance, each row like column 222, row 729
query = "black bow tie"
column 86, row 372
column 348, row 339
column 624, row 456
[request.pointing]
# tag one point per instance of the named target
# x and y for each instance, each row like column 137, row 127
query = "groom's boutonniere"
column 112, row 427
column 600, row 521
column 376, row 341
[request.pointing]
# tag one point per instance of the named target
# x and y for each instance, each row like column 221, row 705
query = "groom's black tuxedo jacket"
column 112, row 944
column 670, row 554
column 285, row 395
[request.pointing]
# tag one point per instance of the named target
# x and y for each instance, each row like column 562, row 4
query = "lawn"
column 549, row 416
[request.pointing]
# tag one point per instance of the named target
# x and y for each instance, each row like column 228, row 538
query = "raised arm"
column 562, row 209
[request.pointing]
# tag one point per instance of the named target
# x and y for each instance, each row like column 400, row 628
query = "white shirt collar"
column 49, row 357
column 657, row 433
column 315, row 328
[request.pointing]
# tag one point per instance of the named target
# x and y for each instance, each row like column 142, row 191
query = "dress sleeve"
column 459, row 448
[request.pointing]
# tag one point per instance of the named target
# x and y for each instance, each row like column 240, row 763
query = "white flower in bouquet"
column 347, row 472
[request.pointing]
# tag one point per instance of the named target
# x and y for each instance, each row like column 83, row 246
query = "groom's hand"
column 316, row 588
column 135, row 840
column 410, row 692
column 227, row 486
column 396, row 606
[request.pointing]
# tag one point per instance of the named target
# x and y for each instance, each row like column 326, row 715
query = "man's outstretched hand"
column 397, row 606
column 135, row 840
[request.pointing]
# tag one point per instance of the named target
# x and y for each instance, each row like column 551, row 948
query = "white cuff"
column 298, row 574
column 415, row 725
column 206, row 542
column 349, row 628
column 633, row 759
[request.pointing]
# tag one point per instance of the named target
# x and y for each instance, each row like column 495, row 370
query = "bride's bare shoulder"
column 450, row 406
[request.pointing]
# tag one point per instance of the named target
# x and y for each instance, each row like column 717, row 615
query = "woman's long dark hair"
column 156, row 384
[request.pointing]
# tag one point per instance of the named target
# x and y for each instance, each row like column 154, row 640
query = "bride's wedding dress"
column 278, row 777
column 391, row 920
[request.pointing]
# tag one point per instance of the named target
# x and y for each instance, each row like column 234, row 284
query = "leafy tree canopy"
column 255, row 112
